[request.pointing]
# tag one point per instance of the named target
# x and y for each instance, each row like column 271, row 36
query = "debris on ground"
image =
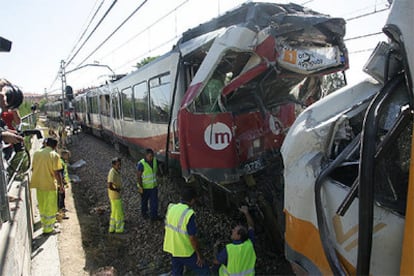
column 139, row 251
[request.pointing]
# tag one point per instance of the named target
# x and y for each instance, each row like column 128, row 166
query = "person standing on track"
column 46, row 172
column 147, row 185
column 180, row 236
column 116, row 223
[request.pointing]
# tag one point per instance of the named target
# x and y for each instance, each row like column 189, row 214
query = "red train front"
column 248, row 91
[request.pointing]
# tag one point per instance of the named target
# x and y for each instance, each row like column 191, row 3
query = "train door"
column 105, row 113
column 89, row 108
column 127, row 111
column 116, row 114
column 183, row 80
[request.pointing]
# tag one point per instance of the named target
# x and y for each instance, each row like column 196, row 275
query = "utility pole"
column 63, row 78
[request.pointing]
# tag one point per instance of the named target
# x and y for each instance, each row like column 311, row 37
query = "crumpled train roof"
column 285, row 20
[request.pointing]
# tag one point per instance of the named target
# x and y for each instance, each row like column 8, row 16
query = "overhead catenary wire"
column 366, row 14
column 159, row 19
column 54, row 81
column 361, row 51
column 92, row 32
column 306, row 2
column 363, row 36
column 169, row 40
column 144, row 54
column 106, row 39
column 87, row 27
column 358, row 16
column 363, row 9
column 84, row 32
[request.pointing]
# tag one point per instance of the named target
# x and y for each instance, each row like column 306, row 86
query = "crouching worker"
column 180, row 236
column 116, row 223
column 239, row 257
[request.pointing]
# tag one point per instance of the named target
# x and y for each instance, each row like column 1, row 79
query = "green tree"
column 42, row 103
column 24, row 108
column 145, row 61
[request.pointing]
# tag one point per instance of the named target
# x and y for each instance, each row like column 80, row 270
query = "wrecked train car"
column 262, row 68
column 217, row 107
column 219, row 104
column 349, row 185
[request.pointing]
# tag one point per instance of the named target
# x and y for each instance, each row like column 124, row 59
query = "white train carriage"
column 141, row 105
column 79, row 103
column 93, row 118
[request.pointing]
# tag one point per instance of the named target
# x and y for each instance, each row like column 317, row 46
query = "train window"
column 141, row 101
column 127, row 104
column 105, row 105
column 160, row 89
column 207, row 102
column 93, row 104
column 231, row 66
column 83, row 105
column 115, row 104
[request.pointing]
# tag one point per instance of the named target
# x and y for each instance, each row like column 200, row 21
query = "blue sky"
column 44, row 32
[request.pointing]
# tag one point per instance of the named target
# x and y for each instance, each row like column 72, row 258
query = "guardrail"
column 16, row 214
column 10, row 170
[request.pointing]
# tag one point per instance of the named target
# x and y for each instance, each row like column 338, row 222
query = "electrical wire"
column 306, row 2
column 356, row 11
column 178, row 6
column 363, row 36
column 54, row 81
column 97, row 25
column 103, row 42
column 146, row 53
column 366, row 14
column 144, row 30
column 361, row 51
column 87, row 27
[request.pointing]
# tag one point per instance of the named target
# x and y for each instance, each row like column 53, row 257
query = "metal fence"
column 15, row 167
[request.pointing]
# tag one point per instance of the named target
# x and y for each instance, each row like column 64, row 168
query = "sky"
column 46, row 32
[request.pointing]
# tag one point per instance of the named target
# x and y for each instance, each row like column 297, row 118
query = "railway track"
column 140, row 250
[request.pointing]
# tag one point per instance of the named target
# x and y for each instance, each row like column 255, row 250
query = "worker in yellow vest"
column 180, row 236
column 64, row 158
column 46, row 178
column 239, row 257
column 116, row 223
column 147, row 185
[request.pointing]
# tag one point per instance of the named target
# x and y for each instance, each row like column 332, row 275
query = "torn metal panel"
column 252, row 81
column 352, row 150
column 291, row 40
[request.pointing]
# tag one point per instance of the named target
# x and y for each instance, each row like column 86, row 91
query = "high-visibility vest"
column 149, row 175
column 241, row 259
column 176, row 239
column 65, row 171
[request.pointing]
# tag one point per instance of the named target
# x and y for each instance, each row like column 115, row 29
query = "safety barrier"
column 16, row 220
